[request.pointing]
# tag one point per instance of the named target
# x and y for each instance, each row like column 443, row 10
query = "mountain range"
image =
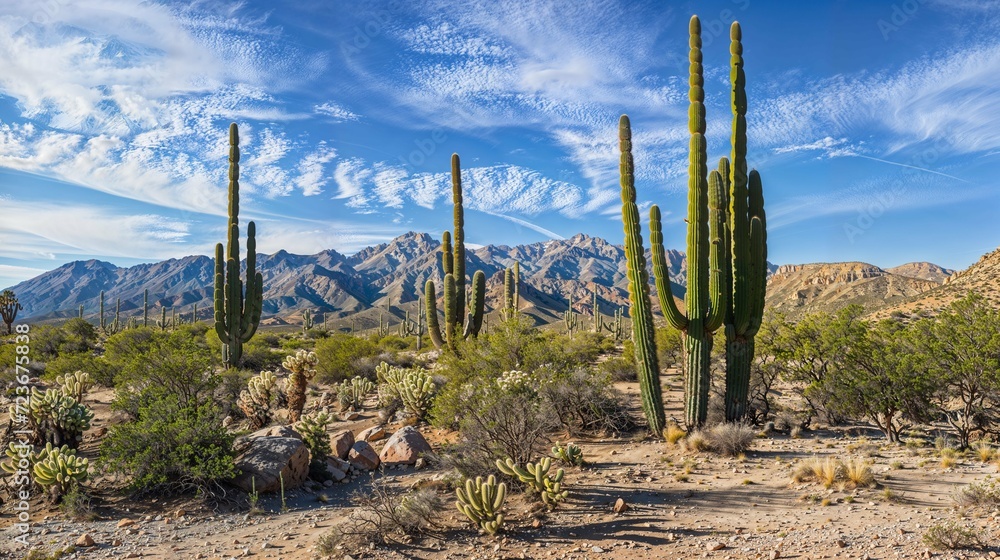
column 388, row 278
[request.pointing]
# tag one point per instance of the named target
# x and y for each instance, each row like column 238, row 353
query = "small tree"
column 9, row 306
column 962, row 350
column 883, row 379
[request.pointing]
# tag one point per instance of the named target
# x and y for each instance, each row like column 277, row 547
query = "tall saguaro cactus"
column 453, row 267
column 638, row 289
column 237, row 314
column 745, row 273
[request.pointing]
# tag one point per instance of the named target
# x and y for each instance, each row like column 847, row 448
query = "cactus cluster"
column 74, row 385
column 481, row 501
column 536, row 476
column 19, row 457
column 57, row 469
column 725, row 284
column 9, row 306
column 352, row 394
column 453, row 267
column 237, row 313
column 255, row 400
column 417, row 390
column 302, row 366
column 113, row 327
column 162, row 321
column 570, row 454
column 58, row 417
column 389, row 379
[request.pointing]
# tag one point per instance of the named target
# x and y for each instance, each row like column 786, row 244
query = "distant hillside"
column 360, row 286
column 982, row 277
column 798, row 289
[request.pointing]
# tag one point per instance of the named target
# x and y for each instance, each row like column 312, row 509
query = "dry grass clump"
column 984, row 494
column 696, row 441
column 673, row 433
column 830, row 471
column 732, row 440
column 984, row 451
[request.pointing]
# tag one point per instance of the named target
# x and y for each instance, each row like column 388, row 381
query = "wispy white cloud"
column 335, row 111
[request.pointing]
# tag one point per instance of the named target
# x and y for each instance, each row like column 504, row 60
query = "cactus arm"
column 450, row 310
column 739, row 221
column 477, row 304
column 717, row 254
column 638, row 288
column 696, row 300
column 446, row 256
column 758, row 248
column 667, row 305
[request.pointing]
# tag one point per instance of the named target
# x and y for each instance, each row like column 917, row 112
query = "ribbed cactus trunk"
column 145, row 308
column 237, row 314
column 746, row 242
column 638, row 289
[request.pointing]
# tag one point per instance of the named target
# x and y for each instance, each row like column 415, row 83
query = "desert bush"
column 585, row 401
column 696, row 441
column 730, row 439
column 858, row 473
column 985, row 494
column 338, row 357
column 156, row 364
column 258, row 356
column 619, row 369
column 171, row 448
column 669, row 347
column 830, row 471
column 383, row 515
column 952, row 536
column 99, row 369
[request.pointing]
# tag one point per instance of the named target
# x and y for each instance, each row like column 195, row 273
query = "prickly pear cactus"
column 303, row 367
column 481, row 501
column 536, row 476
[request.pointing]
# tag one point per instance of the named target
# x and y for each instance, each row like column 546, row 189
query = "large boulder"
column 404, row 447
column 372, row 434
column 263, row 459
column 341, row 443
column 363, row 456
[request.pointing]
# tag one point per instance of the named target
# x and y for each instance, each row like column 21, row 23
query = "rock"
column 337, row 468
column 85, row 540
column 620, row 506
column 100, row 432
column 341, row 443
column 715, row 545
column 125, row 523
column 596, row 549
column 363, row 456
column 841, row 543
column 374, row 433
column 276, row 431
column 227, row 421
column 420, row 464
column 265, row 458
column 350, row 416
column 404, row 447
column 775, row 554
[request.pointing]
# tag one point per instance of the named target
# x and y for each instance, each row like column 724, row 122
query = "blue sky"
column 875, row 124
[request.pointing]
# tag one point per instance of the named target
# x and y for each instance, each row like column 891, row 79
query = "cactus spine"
column 237, row 314
column 453, row 265
column 745, row 273
column 638, row 289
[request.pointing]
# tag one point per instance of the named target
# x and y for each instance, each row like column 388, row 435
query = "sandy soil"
column 680, row 505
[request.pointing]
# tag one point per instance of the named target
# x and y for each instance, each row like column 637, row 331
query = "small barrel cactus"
column 571, row 454
column 536, row 476
column 481, row 501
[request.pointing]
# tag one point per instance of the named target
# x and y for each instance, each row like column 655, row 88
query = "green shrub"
column 619, row 369
column 338, row 357
column 96, row 366
column 258, row 356
column 584, row 400
column 171, row 447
